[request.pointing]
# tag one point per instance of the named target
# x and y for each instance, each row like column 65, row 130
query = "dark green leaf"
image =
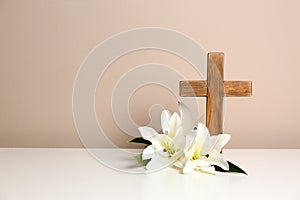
column 140, row 140
column 232, row 168
column 140, row 160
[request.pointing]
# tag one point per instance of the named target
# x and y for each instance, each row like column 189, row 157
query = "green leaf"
column 140, row 140
column 140, row 160
column 232, row 168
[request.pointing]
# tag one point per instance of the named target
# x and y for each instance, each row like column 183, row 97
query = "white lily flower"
column 167, row 147
column 204, row 152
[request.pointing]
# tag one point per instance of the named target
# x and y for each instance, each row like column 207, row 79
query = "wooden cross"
column 214, row 89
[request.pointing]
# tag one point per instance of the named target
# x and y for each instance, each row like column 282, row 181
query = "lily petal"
column 215, row 158
column 158, row 139
column 165, row 118
column 210, row 169
column 209, row 144
column 158, row 162
column 221, row 141
column 189, row 140
column 201, row 137
column 189, row 167
column 179, row 140
column 147, row 132
column 178, row 164
column 148, row 152
column 174, row 124
column 202, row 162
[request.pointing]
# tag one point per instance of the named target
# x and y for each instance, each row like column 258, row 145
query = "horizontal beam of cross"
column 231, row 88
column 215, row 89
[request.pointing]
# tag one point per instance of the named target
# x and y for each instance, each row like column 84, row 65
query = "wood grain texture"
column 238, row 88
column 193, row 88
column 231, row 88
column 215, row 93
column 214, row 89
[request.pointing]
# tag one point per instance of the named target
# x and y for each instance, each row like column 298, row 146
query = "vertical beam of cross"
column 215, row 93
column 214, row 89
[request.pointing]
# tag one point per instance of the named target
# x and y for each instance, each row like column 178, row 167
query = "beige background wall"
column 43, row 43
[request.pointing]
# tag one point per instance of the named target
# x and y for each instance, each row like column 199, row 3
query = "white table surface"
column 75, row 174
